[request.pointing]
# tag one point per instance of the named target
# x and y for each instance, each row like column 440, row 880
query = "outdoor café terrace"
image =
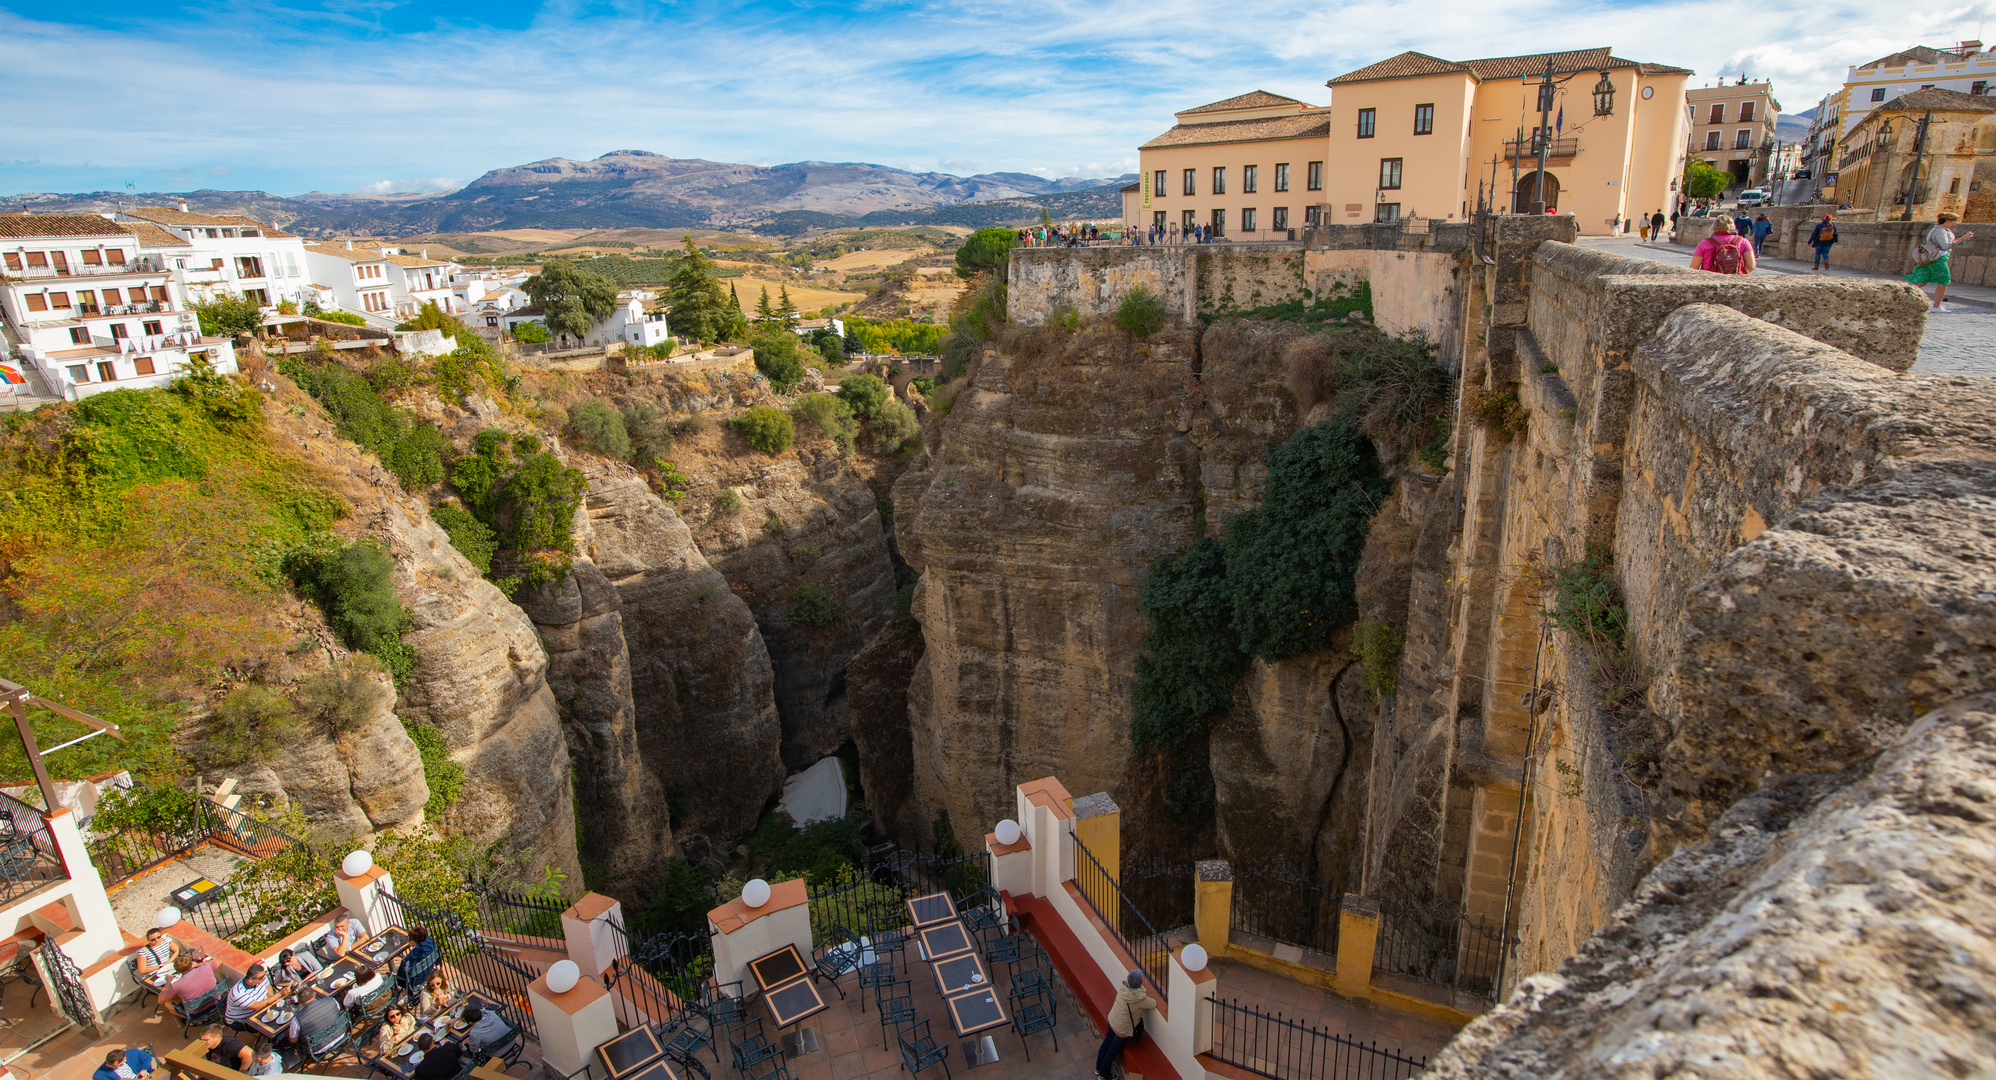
column 1005, row 959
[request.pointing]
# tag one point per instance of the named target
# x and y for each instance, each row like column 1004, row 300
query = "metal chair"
column 410, row 982
column 896, row 1010
column 770, row 1068
column 981, row 908
column 890, row 935
column 751, row 1049
column 839, row 956
column 1033, row 980
column 202, row 1010
column 1033, row 1016
column 1008, row 947
column 920, row 1051
column 873, row 976
column 681, row 1036
column 322, row 1045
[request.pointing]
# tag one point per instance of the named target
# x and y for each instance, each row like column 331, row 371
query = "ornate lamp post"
column 1604, row 96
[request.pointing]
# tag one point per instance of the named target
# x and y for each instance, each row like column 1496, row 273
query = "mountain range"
column 640, row 189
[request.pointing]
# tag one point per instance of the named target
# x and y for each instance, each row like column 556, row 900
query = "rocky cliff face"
column 365, row 782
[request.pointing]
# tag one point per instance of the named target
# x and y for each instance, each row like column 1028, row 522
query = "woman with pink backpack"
column 1725, row 251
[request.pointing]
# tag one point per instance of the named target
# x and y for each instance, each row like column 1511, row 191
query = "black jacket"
column 1816, row 234
column 439, row 1063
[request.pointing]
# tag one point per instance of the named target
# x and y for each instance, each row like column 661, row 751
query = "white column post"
column 742, row 933
column 571, row 1025
column 361, row 895
column 592, row 943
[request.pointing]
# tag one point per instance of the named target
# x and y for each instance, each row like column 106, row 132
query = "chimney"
column 349, row 245
column 183, row 206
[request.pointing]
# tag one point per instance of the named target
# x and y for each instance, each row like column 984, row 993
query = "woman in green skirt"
column 1930, row 259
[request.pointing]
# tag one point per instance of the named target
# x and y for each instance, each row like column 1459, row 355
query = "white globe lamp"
column 356, row 863
column 563, row 975
column 755, row 893
column 1193, row 957
column 1007, row 832
column 167, row 917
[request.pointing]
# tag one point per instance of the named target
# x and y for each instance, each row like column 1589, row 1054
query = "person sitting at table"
column 315, row 1018
column 440, row 1060
column 438, row 998
column 224, row 1048
column 295, row 967
column 397, row 1025
column 159, row 951
column 133, row 1064
column 189, row 981
column 347, row 932
column 375, row 982
column 264, row 1063
column 246, row 997
column 420, row 960
column 487, row 1029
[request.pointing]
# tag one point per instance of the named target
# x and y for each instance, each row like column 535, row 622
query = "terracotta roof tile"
column 1232, row 131
column 1918, row 54
column 22, row 225
column 151, row 235
column 353, row 255
column 1407, row 65
column 1254, row 99
column 1935, row 97
column 167, row 215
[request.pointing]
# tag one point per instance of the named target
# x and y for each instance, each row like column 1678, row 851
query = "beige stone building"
column 1957, row 158
column 1417, row 135
column 1732, row 128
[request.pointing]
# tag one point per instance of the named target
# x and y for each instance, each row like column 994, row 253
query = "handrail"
column 1149, row 949
column 1268, row 1045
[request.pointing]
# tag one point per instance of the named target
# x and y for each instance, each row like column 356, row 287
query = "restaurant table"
column 788, row 991
column 933, row 908
column 397, row 1063
column 385, row 947
column 777, row 968
column 943, row 940
column 955, row 974
column 975, row 1010
column 628, row 1054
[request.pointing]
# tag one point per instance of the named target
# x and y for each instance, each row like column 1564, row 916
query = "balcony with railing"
column 41, row 273
column 1528, row 149
column 28, row 858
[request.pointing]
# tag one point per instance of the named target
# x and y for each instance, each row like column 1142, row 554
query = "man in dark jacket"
column 440, row 1060
column 1656, row 226
column 134, row 1064
column 1822, row 238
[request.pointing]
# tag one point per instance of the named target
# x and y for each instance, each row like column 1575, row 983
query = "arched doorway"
column 1528, row 188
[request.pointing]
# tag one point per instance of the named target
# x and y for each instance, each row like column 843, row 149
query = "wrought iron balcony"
column 1528, row 149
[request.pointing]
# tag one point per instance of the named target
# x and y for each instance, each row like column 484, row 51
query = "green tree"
column 1703, row 181
column 1141, row 313
column 864, row 393
column 600, row 427
column 895, row 424
column 572, row 299
column 353, row 585
column 531, row 332
column 693, row 296
column 777, row 357
column 762, row 308
column 767, row 429
column 830, row 416
column 432, row 317
column 230, row 314
column 985, row 249
column 785, row 310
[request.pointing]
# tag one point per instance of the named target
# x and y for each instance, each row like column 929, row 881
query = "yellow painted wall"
column 1264, row 154
column 1433, row 173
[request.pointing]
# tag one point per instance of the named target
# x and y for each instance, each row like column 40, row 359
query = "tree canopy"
column 573, row 299
column 985, row 249
column 1703, row 181
column 693, row 295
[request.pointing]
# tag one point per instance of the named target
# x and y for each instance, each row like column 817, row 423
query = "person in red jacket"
column 1724, row 252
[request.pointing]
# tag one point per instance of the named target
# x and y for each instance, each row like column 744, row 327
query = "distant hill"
column 1793, row 127
column 638, row 189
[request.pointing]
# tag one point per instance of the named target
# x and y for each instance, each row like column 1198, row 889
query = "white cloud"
column 414, row 186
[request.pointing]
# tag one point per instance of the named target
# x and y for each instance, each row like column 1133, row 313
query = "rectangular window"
column 1954, row 186
column 86, row 301
column 117, row 256
column 59, row 301
column 1424, row 119
column 1157, row 184
column 1282, row 176
column 1157, row 220
column 1980, row 87
column 1219, row 179
column 1312, row 216
column 120, row 331
column 38, row 258
column 1191, row 181
column 79, row 373
column 107, row 371
column 1386, row 211
column 1878, row 94
column 1219, row 223
column 111, row 298
column 92, row 257
column 1546, row 94
column 1718, row 113
column 143, row 366
column 1742, row 139
column 1746, row 112
column 158, row 294
column 79, row 335
column 153, row 328
column 1711, row 140
column 1389, row 173
column 61, row 261
column 217, row 265
column 13, row 260
column 37, row 302
column 1367, row 120
column 1315, row 181
column 1280, row 218
column 1191, row 221
column 249, row 266
column 1250, row 179
column 1247, row 220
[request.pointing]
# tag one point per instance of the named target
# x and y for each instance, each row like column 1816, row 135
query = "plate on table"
column 459, row 1025
column 279, row 1017
column 342, row 982
column 416, row 1058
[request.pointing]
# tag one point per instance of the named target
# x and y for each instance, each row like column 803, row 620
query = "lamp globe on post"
column 166, row 918
column 563, row 975
column 1193, row 956
column 356, row 863
column 1604, row 96
column 1007, row 832
column 755, row 893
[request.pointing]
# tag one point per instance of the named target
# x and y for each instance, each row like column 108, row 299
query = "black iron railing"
column 1268, row 1045
column 1276, row 900
column 471, row 953
column 1442, row 945
column 28, row 858
column 517, row 915
column 1134, row 932
column 655, row 978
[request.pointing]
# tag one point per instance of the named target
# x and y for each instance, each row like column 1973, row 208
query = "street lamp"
column 1604, row 96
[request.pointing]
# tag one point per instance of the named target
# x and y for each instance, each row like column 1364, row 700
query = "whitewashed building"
column 228, row 253
column 628, row 322
column 359, row 279
column 88, row 310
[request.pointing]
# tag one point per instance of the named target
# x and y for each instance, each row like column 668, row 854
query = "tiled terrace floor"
column 1404, row 1033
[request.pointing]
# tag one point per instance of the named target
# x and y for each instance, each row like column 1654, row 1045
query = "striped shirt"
column 243, row 1000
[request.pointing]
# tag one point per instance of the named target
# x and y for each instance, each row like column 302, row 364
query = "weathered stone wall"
column 1878, row 247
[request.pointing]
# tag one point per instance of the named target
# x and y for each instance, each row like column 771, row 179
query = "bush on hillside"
column 829, row 416
column 814, row 605
column 531, row 332
column 343, row 698
column 230, row 314
column 600, row 428
column 410, row 448
column 894, row 425
column 778, row 358
column 253, row 725
column 1141, row 313
column 353, row 586
column 651, row 437
column 471, row 537
column 767, row 429
column 864, row 393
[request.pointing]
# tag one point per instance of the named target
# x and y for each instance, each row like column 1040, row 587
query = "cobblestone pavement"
column 1960, row 342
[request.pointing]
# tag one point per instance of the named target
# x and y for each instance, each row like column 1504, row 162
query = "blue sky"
column 351, row 95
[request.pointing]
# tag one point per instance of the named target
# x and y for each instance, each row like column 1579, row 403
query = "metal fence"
column 28, row 858
column 1441, row 945
column 1278, row 901
column 1134, row 932
column 518, row 916
column 1268, row 1045
column 470, row 952
column 654, row 978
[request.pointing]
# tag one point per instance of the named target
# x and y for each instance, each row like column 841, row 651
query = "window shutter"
column 159, row 294
column 37, row 302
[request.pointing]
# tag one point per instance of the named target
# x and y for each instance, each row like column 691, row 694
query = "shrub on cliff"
column 864, row 393
column 410, row 448
column 767, row 429
column 1278, row 586
column 528, row 504
column 814, row 605
column 1141, row 313
column 353, row 586
column 778, row 358
column 600, row 428
column 829, row 416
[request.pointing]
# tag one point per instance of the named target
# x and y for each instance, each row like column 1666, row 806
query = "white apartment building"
column 90, row 311
column 228, row 253
column 1967, row 68
column 627, row 322
column 383, row 284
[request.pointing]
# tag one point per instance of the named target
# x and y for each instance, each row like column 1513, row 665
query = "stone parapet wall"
column 1877, row 247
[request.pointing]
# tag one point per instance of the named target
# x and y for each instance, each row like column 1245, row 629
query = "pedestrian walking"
column 1742, row 224
column 1656, row 225
column 1822, row 238
column 1930, row 260
column 1126, row 1023
column 1761, row 227
column 1723, row 252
